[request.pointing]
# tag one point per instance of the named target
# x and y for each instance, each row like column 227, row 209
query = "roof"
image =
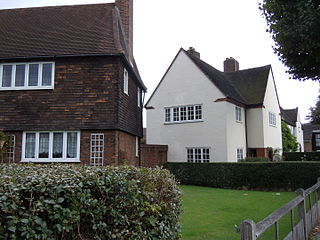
column 290, row 116
column 308, row 128
column 59, row 31
column 244, row 86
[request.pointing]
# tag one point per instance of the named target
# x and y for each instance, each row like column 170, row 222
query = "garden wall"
column 153, row 155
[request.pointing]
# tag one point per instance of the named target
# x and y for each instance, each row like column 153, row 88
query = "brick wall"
column 153, row 155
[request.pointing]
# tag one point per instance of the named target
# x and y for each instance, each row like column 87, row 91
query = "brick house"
column 70, row 90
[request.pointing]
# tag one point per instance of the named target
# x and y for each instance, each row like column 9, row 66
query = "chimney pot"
column 193, row 52
column 230, row 65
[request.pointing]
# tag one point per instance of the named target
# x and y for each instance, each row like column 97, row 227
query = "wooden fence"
column 307, row 203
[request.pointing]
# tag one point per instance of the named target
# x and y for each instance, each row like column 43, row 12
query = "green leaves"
column 82, row 202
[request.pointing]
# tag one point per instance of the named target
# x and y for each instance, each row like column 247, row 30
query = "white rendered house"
column 292, row 118
column 205, row 115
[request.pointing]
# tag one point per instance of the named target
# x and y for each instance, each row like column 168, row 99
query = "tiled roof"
column 245, row 86
column 77, row 30
column 289, row 116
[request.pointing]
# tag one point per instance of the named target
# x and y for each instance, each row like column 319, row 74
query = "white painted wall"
column 272, row 134
column 255, row 128
column 236, row 133
column 185, row 84
column 299, row 133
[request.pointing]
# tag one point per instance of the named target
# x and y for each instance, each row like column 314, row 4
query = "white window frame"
column 26, row 78
column 94, row 159
column 240, row 155
column 64, row 158
column 11, row 148
column 272, row 119
column 238, row 114
column 125, row 81
column 195, row 153
column 192, row 113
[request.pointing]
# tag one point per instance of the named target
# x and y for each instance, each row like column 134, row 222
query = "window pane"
column 20, row 75
column 198, row 112
column 46, row 74
column 33, row 74
column 190, row 113
column 190, row 155
column 167, row 117
column 7, row 76
column 57, row 145
column 30, row 145
column 72, row 143
column 317, row 137
column 44, row 145
column 183, row 113
column 176, row 114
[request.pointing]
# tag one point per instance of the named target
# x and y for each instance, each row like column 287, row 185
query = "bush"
column 301, row 156
column 262, row 176
column 255, row 159
column 82, row 202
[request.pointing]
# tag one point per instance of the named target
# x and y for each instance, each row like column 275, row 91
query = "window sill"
column 26, row 88
column 50, row 161
column 275, row 126
column 172, row 123
column 239, row 121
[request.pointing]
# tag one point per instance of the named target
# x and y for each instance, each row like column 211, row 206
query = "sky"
column 217, row 29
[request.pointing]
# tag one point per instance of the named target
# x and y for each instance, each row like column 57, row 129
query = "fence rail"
column 307, row 220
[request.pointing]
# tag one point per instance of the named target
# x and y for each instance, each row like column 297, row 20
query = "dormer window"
column 27, row 76
column 126, row 82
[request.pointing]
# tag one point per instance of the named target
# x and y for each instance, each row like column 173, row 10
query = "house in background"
column 205, row 115
column 311, row 137
column 292, row 118
column 70, row 90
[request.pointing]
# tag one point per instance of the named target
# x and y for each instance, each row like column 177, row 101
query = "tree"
column 295, row 27
column 289, row 142
column 314, row 115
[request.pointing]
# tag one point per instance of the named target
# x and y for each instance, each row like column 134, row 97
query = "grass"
column 211, row 213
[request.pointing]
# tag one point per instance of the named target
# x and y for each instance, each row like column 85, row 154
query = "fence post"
column 302, row 212
column 248, row 230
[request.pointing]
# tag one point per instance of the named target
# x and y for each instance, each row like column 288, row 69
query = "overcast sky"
column 217, row 29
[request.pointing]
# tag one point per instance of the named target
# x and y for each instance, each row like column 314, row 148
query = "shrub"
column 301, row 156
column 263, row 176
column 82, row 202
column 255, row 159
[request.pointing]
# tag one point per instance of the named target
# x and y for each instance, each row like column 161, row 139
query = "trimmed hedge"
column 301, row 156
column 81, row 202
column 264, row 176
column 255, row 159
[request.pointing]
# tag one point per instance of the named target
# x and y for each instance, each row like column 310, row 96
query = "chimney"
column 193, row 52
column 126, row 13
column 230, row 65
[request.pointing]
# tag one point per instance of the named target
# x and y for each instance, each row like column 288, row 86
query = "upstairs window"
column 139, row 97
column 272, row 119
column 125, row 82
column 238, row 114
column 181, row 114
column 26, row 76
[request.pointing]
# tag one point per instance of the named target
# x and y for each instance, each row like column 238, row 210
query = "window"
column 182, row 114
column 137, row 147
column 11, row 148
column 139, row 97
column 126, row 82
column 97, row 149
column 198, row 155
column 238, row 114
column 51, row 146
column 317, row 140
column 272, row 119
column 26, row 76
column 239, row 154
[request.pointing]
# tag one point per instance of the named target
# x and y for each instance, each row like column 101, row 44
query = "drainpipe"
column 246, row 130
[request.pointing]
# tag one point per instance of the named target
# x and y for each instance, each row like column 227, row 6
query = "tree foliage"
column 295, row 28
column 314, row 115
column 289, row 142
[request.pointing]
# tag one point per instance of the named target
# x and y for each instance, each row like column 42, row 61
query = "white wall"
column 255, row 133
column 236, row 133
column 299, row 133
column 185, row 84
column 272, row 134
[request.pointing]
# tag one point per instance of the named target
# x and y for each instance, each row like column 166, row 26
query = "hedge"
column 301, row 156
column 262, row 176
column 81, row 202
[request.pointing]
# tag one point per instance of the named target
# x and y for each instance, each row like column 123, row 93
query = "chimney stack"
column 193, row 52
column 126, row 13
column 230, row 65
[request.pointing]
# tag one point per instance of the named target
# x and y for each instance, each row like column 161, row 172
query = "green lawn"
column 211, row 213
